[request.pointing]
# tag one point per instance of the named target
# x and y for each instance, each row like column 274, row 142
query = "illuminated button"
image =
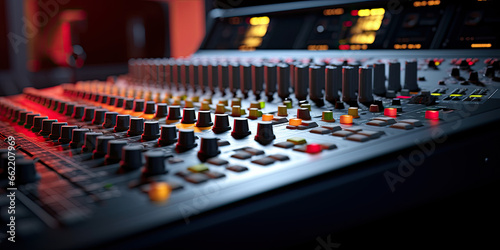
column 358, row 138
column 414, row 122
column 295, row 122
column 342, row 133
column 321, row 131
column 327, row 116
column 297, row 140
column 388, row 120
column 220, row 109
column 353, row 111
column 391, row 112
column 205, row 106
column 332, row 127
column 195, row 98
column 432, row 114
column 262, row 104
column 346, row 119
column 288, row 104
column 176, row 101
column 282, row 110
column 267, row 117
column 374, row 108
column 198, row 168
column 314, row 148
column 236, row 111
column 401, row 125
column 159, row 191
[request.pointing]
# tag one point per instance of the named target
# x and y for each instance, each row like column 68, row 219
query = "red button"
column 391, row 112
column 313, row 148
column 432, row 114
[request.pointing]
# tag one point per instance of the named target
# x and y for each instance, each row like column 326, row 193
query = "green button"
column 327, row 116
column 262, row 104
column 288, row 104
column 198, row 168
column 282, row 110
column 297, row 140
column 307, row 106
column 255, row 105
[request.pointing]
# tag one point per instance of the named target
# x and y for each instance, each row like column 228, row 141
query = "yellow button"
column 159, row 191
column 346, row 119
column 236, row 111
column 189, row 104
column 224, row 102
column 205, row 106
column 198, row 168
column 353, row 111
column 295, row 121
column 471, row 96
column 455, row 95
column 297, row 140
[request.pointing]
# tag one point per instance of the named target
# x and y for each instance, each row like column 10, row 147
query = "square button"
column 401, row 125
column 300, row 149
column 280, row 157
column 237, row 168
column 198, row 168
column 371, row 134
column 217, row 161
column 196, row 178
column 284, row 144
column 242, row 155
column 222, row 143
column 291, row 127
column 414, row 122
column 328, row 146
column 297, row 140
column 213, row 174
column 358, row 138
column 309, row 124
column 377, row 123
column 388, row 120
column 264, row 161
column 332, row 128
column 302, row 127
column 174, row 160
column 354, row 129
column 183, row 173
column 342, row 133
column 321, row 131
column 279, row 120
column 254, row 151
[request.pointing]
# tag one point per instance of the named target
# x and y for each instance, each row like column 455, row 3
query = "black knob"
column 188, row 116
column 246, row 79
column 47, row 126
column 122, row 123
column 155, row 163
column 136, row 126
column 455, row 72
column 128, row 104
column 66, row 133
column 396, row 102
column 186, row 140
column 95, row 97
column 150, row 108
column 283, row 79
column 333, row 83
column 119, row 102
column 204, row 119
column 29, row 120
column 303, row 113
column 473, row 77
column 138, row 105
column 174, row 113
column 394, row 76
column 411, row 76
column 103, row 99
column 90, row 141
column 56, row 130
column 365, row 85
column 265, row 134
column 240, row 128
column 78, row 111
column 208, row 148
column 78, row 137
column 26, row 171
column 464, row 65
column 131, row 157
column 270, row 74
column 301, row 82
column 221, row 123
column 15, row 114
column 37, row 123
column 257, row 80
column 490, row 72
column 151, row 131
column 380, row 104
column 161, row 110
column 109, row 119
column 21, row 120
column 62, row 107
column 114, row 151
column 339, row 105
column 99, row 116
column 101, row 147
column 349, row 84
column 316, row 84
column 88, row 114
column 234, row 77
column 168, row 135
column 68, row 111
column 111, row 101
column 223, row 70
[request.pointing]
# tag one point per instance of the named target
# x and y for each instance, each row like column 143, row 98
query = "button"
column 155, row 163
column 236, row 111
column 353, row 111
column 392, row 112
column 280, row 157
column 388, row 120
column 78, row 137
column 221, row 123
column 264, row 161
column 78, row 111
column 196, row 178
column 327, row 116
column 90, row 141
column 217, row 161
column 168, row 135
column 198, row 168
column 342, row 133
column 242, row 155
column 56, row 130
column 396, row 102
column 321, row 131
column 414, row 122
column 186, row 140
column 267, row 117
column 282, row 110
column 303, row 113
column 214, row 174
column 284, row 144
column 237, row 168
column 136, row 126
column 374, row 108
column 208, row 148
column 205, row 106
column 254, row 113
column 346, row 119
column 222, row 143
column 401, row 125
column 131, row 157
column 279, row 120
column 295, row 122
column 30, row 120
column 308, row 124
column 114, row 151
column 150, row 108
column 328, row 146
column 332, row 127
column 159, row 191
column 432, row 114
column 66, row 133
column 314, row 148
column 220, row 108
column 358, row 138
column 297, row 140
column 88, row 114
column 188, row 116
column 354, row 129
column 101, row 148
column 174, row 113
column 151, row 131
column 204, row 119
column 371, row 134
column 46, row 126
column 254, row 151
column 122, row 123
column 240, row 128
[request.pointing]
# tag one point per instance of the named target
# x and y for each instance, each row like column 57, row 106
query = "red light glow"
column 354, row 12
column 392, row 112
column 432, row 114
column 313, row 148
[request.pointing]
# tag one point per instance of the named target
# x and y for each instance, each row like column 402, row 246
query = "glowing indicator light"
column 432, row 114
column 455, row 95
column 346, row 119
column 354, row 12
column 267, row 117
column 391, row 112
column 478, row 96
column 295, row 121
column 313, row 148
column 159, row 191
column 347, row 23
column 436, row 94
column 259, row 20
column 480, row 45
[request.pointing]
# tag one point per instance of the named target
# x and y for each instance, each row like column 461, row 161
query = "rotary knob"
column 265, row 134
column 131, row 157
column 151, row 131
column 208, row 148
column 114, row 151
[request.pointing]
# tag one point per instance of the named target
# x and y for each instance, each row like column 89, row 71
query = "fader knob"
column 265, row 134
column 257, row 80
column 29, row 120
column 188, row 116
column 161, row 110
column 68, row 111
column 109, row 119
column 221, row 123
column 78, row 111
column 270, row 74
column 411, row 76
column 47, row 126
column 283, row 79
column 56, row 130
column 204, row 119
column 21, row 120
column 114, row 151
column 62, row 107
column 365, row 85
column 168, row 135
column 101, row 148
column 122, row 123
column 150, row 108
column 99, row 116
column 301, row 82
column 186, row 140
column 90, row 141
column 316, row 84
column 25, row 171
column 333, row 83
column 136, row 126
column 66, row 133
column 151, row 131
column 37, row 123
column 131, row 157
column 174, row 113
column 349, row 84
column 155, row 163
column 379, row 79
column 88, row 114
column 240, row 128
column 394, row 76
column 208, row 148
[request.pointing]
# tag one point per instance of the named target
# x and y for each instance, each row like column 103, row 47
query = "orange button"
column 267, row 117
column 391, row 112
column 346, row 119
column 159, row 191
column 295, row 121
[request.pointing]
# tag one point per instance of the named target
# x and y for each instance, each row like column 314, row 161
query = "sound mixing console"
column 226, row 143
